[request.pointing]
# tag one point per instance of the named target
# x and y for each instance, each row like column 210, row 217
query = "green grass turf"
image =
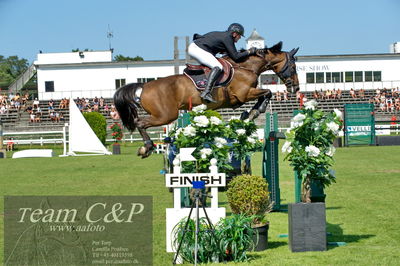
column 362, row 207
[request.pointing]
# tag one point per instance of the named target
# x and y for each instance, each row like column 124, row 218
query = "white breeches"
column 203, row 57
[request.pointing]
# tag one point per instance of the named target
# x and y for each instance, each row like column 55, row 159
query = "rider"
column 205, row 47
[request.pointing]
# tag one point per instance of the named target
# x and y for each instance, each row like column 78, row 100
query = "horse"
column 163, row 98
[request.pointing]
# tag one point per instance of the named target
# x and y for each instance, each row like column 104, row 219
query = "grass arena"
column 361, row 207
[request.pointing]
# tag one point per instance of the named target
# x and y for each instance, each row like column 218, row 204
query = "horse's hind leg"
column 148, row 147
column 151, row 121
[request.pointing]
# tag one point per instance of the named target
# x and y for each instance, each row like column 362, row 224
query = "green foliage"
column 207, row 243
column 10, row 68
column 235, row 235
column 309, row 143
column 206, row 133
column 244, row 134
column 249, row 195
column 98, row 123
column 121, row 58
column 209, row 134
column 228, row 241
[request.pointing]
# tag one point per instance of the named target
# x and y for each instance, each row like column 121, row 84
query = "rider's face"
column 236, row 36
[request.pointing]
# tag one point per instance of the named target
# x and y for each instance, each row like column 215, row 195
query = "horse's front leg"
column 264, row 97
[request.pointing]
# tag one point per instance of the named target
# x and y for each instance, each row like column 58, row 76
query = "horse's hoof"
column 244, row 115
column 141, row 151
column 253, row 114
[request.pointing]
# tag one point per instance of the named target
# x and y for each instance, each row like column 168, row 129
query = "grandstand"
column 19, row 121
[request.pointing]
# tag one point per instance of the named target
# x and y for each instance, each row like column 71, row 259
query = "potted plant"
column 229, row 240
column 249, row 195
column 208, row 244
column 117, row 135
column 309, row 148
column 235, row 236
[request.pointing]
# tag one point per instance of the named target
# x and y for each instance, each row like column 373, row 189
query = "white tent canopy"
column 81, row 136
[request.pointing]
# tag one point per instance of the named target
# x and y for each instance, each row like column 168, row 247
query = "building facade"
column 91, row 74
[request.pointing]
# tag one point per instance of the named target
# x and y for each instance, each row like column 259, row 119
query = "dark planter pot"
column 262, row 238
column 307, row 227
column 116, row 148
column 317, row 191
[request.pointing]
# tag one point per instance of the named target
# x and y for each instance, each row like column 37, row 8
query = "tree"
column 10, row 68
column 120, row 58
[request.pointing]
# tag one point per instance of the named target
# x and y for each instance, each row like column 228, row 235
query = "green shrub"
column 249, row 195
column 235, row 236
column 229, row 240
column 98, row 123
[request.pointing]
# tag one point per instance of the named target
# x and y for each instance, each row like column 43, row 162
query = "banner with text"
column 78, row 230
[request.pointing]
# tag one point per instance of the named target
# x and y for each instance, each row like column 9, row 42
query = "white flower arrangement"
column 220, row 142
column 199, row 108
column 287, row 147
column 205, row 152
column 338, row 113
column 201, row 121
column 241, row 131
column 213, row 138
column 215, row 120
column 189, row 131
column 312, row 151
column 310, row 105
column 309, row 143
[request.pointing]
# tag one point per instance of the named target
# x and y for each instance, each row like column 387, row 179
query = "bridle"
column 288, row 70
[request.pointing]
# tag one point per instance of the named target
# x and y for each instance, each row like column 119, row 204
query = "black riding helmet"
column 236, row 27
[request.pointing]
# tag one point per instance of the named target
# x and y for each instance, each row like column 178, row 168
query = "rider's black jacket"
column 219, row 42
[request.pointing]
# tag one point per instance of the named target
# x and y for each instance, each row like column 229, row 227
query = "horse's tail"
column 124, row 100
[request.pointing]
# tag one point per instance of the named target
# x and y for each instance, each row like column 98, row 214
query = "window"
column 368, row 75
column 319, row 77
column 269, row 79
column 358, row 76
column 119, row 83
column 349, row 76
column 337, row 77
column 49, row 86
column 377, row 75
column 328, row 77
column 310, row 77
column 144, row 80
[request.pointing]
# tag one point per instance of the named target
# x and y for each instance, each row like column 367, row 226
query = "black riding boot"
column 206, row 94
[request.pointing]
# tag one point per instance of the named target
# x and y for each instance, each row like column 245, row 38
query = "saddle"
column 198, row 74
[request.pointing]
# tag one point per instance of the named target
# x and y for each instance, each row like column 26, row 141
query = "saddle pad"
column 200, row 77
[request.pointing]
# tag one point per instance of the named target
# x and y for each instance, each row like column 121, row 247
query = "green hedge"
column 98, row 123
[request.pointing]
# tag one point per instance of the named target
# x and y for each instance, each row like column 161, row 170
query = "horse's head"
column 283, row 64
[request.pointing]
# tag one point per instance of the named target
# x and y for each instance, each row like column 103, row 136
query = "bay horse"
column 163, row 98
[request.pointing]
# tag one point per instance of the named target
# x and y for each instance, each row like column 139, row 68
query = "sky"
column 147, row 28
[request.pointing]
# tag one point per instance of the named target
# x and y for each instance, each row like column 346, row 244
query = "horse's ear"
column 294, row 51
column 276, row 48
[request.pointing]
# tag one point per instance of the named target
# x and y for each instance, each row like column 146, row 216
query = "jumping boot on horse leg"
column 146, row 150
column 206, row 94
column 267, row 98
